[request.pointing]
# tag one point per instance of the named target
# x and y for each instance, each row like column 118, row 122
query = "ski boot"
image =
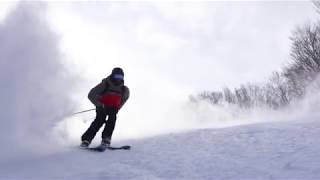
column 84, row 144
column 105, row 143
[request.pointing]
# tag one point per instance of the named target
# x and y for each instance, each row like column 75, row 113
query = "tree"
column 286, row 86
column 228, row 96
column 317, row 5
column 306, row 49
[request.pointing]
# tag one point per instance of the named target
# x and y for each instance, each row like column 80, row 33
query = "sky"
column 168, row 50
column 195, row 46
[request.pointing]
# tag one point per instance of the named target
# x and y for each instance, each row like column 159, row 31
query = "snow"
column 283, row 150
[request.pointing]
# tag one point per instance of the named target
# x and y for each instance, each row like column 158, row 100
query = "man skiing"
column 108, row 97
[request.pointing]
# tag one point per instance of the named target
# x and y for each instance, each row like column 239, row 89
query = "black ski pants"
column 101, row 115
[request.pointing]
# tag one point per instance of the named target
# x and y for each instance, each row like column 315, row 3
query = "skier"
column 108, row 97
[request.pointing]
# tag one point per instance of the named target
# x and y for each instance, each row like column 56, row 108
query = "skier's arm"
column 126, row 95
column 95, row 93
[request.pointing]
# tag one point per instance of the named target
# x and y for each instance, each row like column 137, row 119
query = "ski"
column 102, row 149
column 126, row 147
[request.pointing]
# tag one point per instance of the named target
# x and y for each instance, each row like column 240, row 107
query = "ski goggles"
column 118, row 76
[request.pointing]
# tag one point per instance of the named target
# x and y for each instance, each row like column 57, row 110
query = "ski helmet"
column 117, row 73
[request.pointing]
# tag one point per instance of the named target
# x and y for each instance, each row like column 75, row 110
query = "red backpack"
column 112, row 99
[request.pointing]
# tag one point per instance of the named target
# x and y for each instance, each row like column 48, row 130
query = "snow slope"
column 283, row 150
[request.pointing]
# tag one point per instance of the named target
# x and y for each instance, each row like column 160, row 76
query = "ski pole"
column 83, row 111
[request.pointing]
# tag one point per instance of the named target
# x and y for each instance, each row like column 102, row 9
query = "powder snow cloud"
column 35, row 85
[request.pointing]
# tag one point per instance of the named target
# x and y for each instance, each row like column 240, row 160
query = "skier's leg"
column 110, row 124
column 95, row 125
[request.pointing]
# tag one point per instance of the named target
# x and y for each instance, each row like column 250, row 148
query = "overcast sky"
column 196, row 46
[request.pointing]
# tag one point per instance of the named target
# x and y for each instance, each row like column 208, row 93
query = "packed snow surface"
column 282, row 150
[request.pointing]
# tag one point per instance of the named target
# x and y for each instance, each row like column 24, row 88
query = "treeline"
column 283, row 87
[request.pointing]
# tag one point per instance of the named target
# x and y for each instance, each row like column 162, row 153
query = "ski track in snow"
column 285, row 150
